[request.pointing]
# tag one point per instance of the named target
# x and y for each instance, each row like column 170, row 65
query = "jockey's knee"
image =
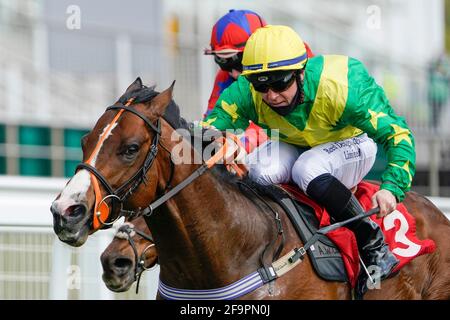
column 307, row 168
column 272, row 163
column 272, row 174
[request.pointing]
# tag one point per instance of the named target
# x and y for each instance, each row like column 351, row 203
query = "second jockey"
column 228, row 38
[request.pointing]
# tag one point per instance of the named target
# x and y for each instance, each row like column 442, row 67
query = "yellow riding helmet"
column 273, row 48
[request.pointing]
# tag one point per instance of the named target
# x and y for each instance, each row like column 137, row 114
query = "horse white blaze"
column 76, row 189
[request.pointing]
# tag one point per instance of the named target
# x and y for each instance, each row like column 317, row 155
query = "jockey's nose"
column 272, row 95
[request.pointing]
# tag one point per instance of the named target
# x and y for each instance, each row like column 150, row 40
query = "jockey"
column 330, row 113
column 228, row 38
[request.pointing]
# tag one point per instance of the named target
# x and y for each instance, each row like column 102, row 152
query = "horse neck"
column 209, row 234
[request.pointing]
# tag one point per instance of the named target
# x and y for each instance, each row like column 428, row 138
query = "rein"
column 225, row 152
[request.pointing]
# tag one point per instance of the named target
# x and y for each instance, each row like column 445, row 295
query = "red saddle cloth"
column 399, row 229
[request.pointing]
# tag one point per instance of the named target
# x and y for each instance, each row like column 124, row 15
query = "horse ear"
column 136, row 85
column 159, row 104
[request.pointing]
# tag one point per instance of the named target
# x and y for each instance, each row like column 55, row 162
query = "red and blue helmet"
column 231, row 32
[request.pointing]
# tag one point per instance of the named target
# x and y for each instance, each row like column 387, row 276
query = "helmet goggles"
column 230, row 63
column 277, row 81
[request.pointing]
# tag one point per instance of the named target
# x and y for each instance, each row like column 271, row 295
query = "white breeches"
column 277, row 162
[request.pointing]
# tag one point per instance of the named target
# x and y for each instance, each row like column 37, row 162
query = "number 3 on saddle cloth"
column 399, row 229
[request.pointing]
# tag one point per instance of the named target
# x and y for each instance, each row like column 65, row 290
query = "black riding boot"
column 341, row 204
column 374, row 251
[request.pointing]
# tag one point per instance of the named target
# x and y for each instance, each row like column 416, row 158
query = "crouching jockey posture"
column 329, row 113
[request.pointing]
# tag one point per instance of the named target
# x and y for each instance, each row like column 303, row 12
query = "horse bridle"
column 127, row 188
column 139, row 260
column 140, row 177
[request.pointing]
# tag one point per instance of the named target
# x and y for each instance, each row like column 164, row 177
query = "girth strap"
column 236, row 289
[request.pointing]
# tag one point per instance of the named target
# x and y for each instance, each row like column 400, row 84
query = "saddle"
column 324, row 254
column 335, row 256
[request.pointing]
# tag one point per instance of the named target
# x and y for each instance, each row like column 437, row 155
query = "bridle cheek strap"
column 101, row 209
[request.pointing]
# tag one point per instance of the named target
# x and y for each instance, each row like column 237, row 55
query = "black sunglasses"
column 277, row 82
column 228, row 64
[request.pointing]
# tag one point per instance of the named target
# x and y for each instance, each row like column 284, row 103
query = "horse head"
column 131, row 252
column 118, row 164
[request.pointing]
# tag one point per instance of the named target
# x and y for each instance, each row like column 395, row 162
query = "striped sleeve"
column 234, row 108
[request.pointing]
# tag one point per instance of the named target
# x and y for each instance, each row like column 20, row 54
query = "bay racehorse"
column 210, row 235
column 130, row 253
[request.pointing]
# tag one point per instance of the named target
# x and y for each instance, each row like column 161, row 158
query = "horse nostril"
column 122, row 265
column 76, row 211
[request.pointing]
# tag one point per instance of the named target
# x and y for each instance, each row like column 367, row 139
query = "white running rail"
column 35, row 264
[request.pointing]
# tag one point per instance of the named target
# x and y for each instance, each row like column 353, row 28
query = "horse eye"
column 132, row 149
